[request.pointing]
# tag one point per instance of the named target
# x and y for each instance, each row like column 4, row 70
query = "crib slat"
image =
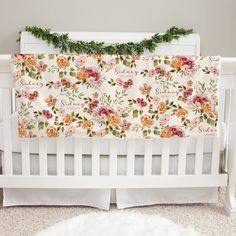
column 95, row 157
column 199, row 155
column 182, row 156
column 60, row 157
column 43, row 156
column 77, row 157
column 215, row 162
column 25, row 152
column 113, row 157
column 148, row 157
column 7, row 141
column 130, row 157
column 165, row 157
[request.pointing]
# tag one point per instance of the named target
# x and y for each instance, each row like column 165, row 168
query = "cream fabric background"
column 214, row 20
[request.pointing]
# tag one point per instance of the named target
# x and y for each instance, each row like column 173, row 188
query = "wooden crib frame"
column 223, row 166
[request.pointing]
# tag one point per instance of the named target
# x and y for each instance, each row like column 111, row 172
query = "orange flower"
column 97, row 56
column 29, row 61
column 147, row 121
column 21, row 132
column 181, row 113
column 162, row 108
column 87, row 124
column 68, row 119
column 52, row 132
column 62, row 62
column 82, row 75
column 166, row 133
column 176, row 63
column 114, row 119
column 206, row 106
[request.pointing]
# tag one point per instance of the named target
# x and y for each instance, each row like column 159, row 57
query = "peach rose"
column 176, row 63
column 114, row 119
column 162, row 108
column 87, row 124
column 82, row 75
column 21, row 131
column 68, row 119
column 166, row 133
column 52, row 132
column 206, row 106
column 147, row 121
column 62, row 62
column 29, row 61
column 182, row 113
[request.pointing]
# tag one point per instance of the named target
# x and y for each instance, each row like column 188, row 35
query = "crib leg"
column 230, row 201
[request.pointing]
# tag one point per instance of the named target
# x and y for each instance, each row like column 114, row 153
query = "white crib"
column 221, row 149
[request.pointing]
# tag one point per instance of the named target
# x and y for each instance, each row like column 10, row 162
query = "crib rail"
column 147, row 179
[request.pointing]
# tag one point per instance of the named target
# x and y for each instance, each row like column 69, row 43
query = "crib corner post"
column 230, row 198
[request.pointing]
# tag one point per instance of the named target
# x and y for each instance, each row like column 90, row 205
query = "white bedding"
column 102, row 198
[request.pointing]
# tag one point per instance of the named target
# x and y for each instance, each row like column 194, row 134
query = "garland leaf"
column 66, row 45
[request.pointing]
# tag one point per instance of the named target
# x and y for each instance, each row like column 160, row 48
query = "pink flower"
column 128, row 84
column 195, row 122
column 24, row 94
column 111, row 63
column 160, row 70
column 141, row 102
column 119, row 82
column 46, row 114
column 214, row 70
column 70, row 131
column 51, row 101
column 17, row 58
column 125, row 125
column 101, row 133
column 93, row 105
column 17, row 75
column 156, row 100
column 165, row 119
column 145, row 89
column 80, row 60
column 33, row 96
column 190, row 83
column 61, row 112
column 151, row 73
column 57, row 85
column 93, row 76
column 41, row 67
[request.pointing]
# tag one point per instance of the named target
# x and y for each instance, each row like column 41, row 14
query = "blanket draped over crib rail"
column 121, row 96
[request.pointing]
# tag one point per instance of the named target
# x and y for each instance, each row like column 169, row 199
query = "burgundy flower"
column 141, row 102
column 93, row 104
column 46, row 114
column 160, row 70
column 187, row 62
column 128, row 84
column 105, row 111
column 177, row 131
column 200, row 99
column 188, row 92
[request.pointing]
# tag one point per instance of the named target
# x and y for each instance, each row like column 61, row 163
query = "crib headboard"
column 187, row 45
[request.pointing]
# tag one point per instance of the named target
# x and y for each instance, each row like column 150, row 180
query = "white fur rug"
column 117, row 224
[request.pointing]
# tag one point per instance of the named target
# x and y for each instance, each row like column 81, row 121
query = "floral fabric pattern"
column 116, row 96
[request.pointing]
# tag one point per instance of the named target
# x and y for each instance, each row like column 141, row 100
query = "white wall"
column 214, row 20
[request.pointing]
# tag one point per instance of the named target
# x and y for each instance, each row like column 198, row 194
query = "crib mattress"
column 102, row 198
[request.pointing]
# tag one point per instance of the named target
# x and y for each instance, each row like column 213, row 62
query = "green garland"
column 66, row 45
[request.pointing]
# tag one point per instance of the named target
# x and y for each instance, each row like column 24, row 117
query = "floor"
column 209, row 219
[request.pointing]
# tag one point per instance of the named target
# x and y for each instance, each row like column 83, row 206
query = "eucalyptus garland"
column 66, row 45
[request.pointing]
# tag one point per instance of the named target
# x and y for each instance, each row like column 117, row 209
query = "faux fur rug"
column 118, row 224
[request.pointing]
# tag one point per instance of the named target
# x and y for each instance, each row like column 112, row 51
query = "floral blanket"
column 122, row 96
